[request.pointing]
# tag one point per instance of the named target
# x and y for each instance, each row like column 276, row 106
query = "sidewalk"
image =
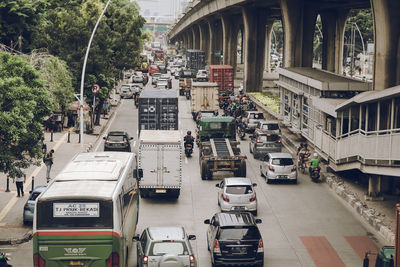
column 378, row 214
column 12, row 229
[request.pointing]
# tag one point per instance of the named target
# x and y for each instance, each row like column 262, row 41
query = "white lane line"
column 108, row 128
column 134, row 143
column 186, row 160
column 14, row 200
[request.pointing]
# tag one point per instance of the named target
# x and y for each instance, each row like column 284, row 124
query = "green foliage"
column 364, row 21
column 268, row 99
column 24, row 102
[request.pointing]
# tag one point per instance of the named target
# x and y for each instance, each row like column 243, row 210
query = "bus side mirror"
column 138, row 173
column 135, row 238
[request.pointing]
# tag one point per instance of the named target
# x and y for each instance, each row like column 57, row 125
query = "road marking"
column 108, row 128
column 186, row 160
column 321, row 251
column 362, row 244
column 14, row 200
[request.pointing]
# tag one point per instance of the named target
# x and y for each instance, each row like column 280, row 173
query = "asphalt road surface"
column 304, row 224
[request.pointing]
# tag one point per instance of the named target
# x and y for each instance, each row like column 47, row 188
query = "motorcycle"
column 137, row 100
column 314, row 174
column 4, row 260
column 187, row 94
column 302, row 164
column 241, row 132
column 188, row 150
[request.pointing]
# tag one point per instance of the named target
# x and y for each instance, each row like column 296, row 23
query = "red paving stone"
column 321, row 251
column 362, row 244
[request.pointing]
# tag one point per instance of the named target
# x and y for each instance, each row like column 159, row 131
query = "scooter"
column 4, row 260
column 188, row 150
column 241, row 131
column 314, row 174
column 302, row 164
column 187, row 93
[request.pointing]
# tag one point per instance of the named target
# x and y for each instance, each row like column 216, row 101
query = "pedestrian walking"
column 48, row 161
column 19, row 181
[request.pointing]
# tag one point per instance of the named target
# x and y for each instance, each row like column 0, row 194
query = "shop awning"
column 290, row 88
column 327, row 105
column 370, row 96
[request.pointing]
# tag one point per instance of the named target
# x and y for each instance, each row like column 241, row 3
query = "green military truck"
column 219, row 150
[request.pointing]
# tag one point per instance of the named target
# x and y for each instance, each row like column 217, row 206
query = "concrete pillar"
column 204, row 40
column 215, row 42
column 298, row 21
column 333, row 26
column 211, row 34
column 255, row 22
column 387, row 43
column 190, row 39
column 374, row 188
column 196, row 36
column 227, row 25
column 267, row 65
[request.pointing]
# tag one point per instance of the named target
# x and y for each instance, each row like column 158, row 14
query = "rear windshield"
column 239, row 232
column 282, row 162
column 34, row 195
column 67, row 214
column 125, row 87
column 168, row 247
column 256, row 116
column 270, row 126
column 239, row 190
column 269, row 138
column 116, row 138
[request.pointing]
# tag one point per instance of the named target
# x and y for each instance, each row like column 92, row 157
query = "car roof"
column 237, row 181
column 235, row 219
column 166, row 233
column 280, row 155
column 117, row 133
column 39, row 188
column 268, row 122
column 254, row 111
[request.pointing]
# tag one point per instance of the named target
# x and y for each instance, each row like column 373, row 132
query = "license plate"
column 239, row 208
column 225, row 163
column 282, row 176
column 161, row 191
column 76, row 263
column 240, row 251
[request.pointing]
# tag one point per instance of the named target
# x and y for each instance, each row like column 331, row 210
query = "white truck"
column 160, row 158
column 204, row 98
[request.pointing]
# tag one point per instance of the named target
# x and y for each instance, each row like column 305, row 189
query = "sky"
column 161, row 8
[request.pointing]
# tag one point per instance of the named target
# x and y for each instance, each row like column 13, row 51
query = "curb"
column 13, row 241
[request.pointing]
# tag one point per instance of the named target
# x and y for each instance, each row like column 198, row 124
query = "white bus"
column 87, row 216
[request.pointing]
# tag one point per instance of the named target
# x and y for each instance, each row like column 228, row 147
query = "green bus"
column 87, row 215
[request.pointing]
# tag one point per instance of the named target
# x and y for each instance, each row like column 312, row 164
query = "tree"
column 24, row 102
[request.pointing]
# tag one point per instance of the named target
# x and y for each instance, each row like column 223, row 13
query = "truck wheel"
column 203, row 166
column 209, row 173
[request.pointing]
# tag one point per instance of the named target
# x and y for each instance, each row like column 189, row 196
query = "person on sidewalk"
column 19, row 181
column 48, row 161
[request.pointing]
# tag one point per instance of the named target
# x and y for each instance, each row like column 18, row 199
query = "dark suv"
column 117, row 141
column 234, row 239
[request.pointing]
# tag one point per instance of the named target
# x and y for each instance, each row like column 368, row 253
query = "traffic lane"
column 305, row 209
column 20, row 255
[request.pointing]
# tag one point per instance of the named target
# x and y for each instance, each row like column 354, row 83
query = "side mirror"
column 217, row 185
column 130, row 138
column 254, row 185
column 135, row 238
column 258, row 221
column 207, row 221
column 138, row 173
column 104, row 137
column 192, row 237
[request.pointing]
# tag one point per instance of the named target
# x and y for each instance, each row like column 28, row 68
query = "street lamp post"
column 84, row 68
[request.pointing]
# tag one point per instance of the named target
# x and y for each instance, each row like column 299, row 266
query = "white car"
column 202, row 75
column 138, row 77
column 237, row 194
column 279, row 166
column 127, row 91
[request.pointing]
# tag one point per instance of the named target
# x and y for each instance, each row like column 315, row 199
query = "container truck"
column 160, row 158
column 204, row 97
column 222, row 75
column 158, row 110
column 195, row 59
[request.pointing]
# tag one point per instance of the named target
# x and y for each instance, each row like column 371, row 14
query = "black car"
column 234, row 239
column 117, row 141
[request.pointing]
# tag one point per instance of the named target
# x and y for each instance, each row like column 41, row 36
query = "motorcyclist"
column 314, row 163
column 188, row 139
column 300, row 148
column 304, row 154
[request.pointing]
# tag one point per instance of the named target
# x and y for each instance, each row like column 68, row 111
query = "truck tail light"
column 113, row 260
column 253, row 197
column 107, row 143
column 145, row 259
column 260, row 246
column 125, row 143
column 225, row 197
column 258, row 141
column 271, row 168
column 293, row 168
column 38, row 261
column 192, row 260
column 216, row 247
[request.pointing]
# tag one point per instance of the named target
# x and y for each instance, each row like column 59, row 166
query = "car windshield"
column 269, row 138
column 116, row 138
column 168, row 247
column 270, row 126
column 162, row 82
column 238, row 189
column 34, row 195
column 282, row 161
column 239, row 233
column 256, row 116
column 125, row 87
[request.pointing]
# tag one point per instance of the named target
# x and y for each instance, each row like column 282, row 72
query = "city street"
column 304, row 224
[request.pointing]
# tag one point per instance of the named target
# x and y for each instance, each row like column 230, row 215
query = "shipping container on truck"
column 160, row 158
column 195, row 59
column 204, row 97
column 222, row 75
column 158, row 110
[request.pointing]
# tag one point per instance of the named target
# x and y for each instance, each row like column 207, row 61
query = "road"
column 303, row 224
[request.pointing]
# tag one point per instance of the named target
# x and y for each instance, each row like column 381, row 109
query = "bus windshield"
column 77, row 213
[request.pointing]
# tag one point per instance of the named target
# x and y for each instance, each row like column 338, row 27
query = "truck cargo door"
column 147, row 162
column 172, row 165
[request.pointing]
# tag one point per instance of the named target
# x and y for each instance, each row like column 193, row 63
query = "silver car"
column 262, row 143
column 138, row 77
column 271, row 127
column 165, row 246
column 279, row 166
column 126, row 91
column 237, row 194
column 251, row 119
column 29, row 207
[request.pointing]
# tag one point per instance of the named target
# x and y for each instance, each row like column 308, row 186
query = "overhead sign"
column 96, row 88
column 74, row 210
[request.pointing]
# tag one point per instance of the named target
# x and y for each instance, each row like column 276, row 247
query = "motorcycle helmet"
column 189, row 132
column 315, row 155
